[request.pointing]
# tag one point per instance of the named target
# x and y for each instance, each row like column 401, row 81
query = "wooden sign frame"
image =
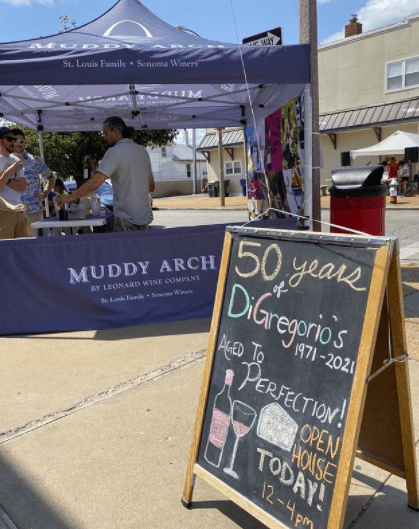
column 382, row 359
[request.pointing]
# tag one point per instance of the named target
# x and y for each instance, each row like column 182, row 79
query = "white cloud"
column 378, row 13
column 21, row 3
column 336, row 36
column 17, row 3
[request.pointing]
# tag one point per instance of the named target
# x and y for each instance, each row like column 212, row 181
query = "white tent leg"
column 41, row 144
column 194, row 182
column 41, row 152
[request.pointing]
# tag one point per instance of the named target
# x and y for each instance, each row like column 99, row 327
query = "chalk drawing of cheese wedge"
column 276, row 426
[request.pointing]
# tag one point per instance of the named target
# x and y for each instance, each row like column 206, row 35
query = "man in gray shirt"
column 128, row 166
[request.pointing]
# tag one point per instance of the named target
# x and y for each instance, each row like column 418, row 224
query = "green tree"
column 66, row 23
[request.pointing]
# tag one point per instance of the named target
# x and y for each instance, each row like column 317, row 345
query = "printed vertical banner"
column 275, row 162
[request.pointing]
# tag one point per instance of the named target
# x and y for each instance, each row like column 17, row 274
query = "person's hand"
column 88, row 162
column 63, row 199
column 19, row 208
column 16, row 167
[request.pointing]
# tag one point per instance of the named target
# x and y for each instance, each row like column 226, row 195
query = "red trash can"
column 358, row 200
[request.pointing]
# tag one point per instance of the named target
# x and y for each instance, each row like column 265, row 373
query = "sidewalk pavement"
column 203, row 202
column 96, row 428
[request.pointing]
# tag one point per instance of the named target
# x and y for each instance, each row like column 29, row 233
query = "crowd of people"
column 26, row 181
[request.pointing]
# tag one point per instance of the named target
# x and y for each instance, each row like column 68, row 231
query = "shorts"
column 12, row 225
column 33, row 217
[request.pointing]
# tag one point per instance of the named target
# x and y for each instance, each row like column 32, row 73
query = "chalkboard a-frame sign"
column 302, row 375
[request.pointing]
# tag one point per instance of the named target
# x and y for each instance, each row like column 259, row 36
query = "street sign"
column 272, row 37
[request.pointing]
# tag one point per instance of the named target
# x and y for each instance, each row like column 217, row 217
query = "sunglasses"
column 9, row 138
column 20, row 141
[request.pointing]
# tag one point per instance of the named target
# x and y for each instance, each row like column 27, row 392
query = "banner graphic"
column 275, row 159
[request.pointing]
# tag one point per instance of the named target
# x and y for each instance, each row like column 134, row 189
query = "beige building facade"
column 368, row 89
column 233, row 157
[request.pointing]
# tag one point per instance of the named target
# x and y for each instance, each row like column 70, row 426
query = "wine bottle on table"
column 219, row 423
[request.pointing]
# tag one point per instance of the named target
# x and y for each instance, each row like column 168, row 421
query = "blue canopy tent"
column 131, row 63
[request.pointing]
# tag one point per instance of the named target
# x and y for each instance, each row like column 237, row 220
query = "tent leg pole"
column 41, row 152
column 308, row 33
column 194, row 185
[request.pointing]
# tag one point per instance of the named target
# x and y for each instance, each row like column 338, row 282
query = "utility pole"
column 221, row 161
column 308, row 34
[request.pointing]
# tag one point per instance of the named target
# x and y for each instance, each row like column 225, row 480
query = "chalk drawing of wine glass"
column 243, row 417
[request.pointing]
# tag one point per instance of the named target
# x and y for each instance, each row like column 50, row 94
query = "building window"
column 163, row 152
column 188, row 170
column 233, row 167
column 403, row 74
column 204, row 173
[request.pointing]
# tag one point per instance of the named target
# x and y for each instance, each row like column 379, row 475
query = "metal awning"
column 230, row 138
column 374, row 116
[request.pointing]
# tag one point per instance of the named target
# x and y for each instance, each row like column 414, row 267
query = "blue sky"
column 213, row 19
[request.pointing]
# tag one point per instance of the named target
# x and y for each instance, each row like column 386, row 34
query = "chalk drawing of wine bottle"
column 219, row 423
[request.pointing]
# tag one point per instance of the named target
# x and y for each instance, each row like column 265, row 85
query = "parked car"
column 105, row 194
column 70, row 186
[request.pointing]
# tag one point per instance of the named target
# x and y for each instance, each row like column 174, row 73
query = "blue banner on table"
column 109, row 280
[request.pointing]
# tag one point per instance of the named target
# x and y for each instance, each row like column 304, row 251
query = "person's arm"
column 89, row 187
column 19, row 208
column 14, row 168
column 4, row 177
column 18, row 184
column 151, row 183
column 50, row 185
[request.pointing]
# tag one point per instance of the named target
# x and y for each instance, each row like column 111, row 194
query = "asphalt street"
column 402, row 224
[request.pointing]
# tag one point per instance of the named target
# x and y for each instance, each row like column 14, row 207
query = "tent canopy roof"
column 394, row 144
column 130, row 63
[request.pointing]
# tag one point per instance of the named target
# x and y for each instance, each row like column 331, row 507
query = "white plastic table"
column 73, row 222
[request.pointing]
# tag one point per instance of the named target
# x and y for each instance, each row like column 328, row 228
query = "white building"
column 172, row 167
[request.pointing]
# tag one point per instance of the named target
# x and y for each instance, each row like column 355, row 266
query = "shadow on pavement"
column 232, row 511
column 410, row 279
column 390, row 502
column 157, row 329
column 171, row 328
column 24, row 505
